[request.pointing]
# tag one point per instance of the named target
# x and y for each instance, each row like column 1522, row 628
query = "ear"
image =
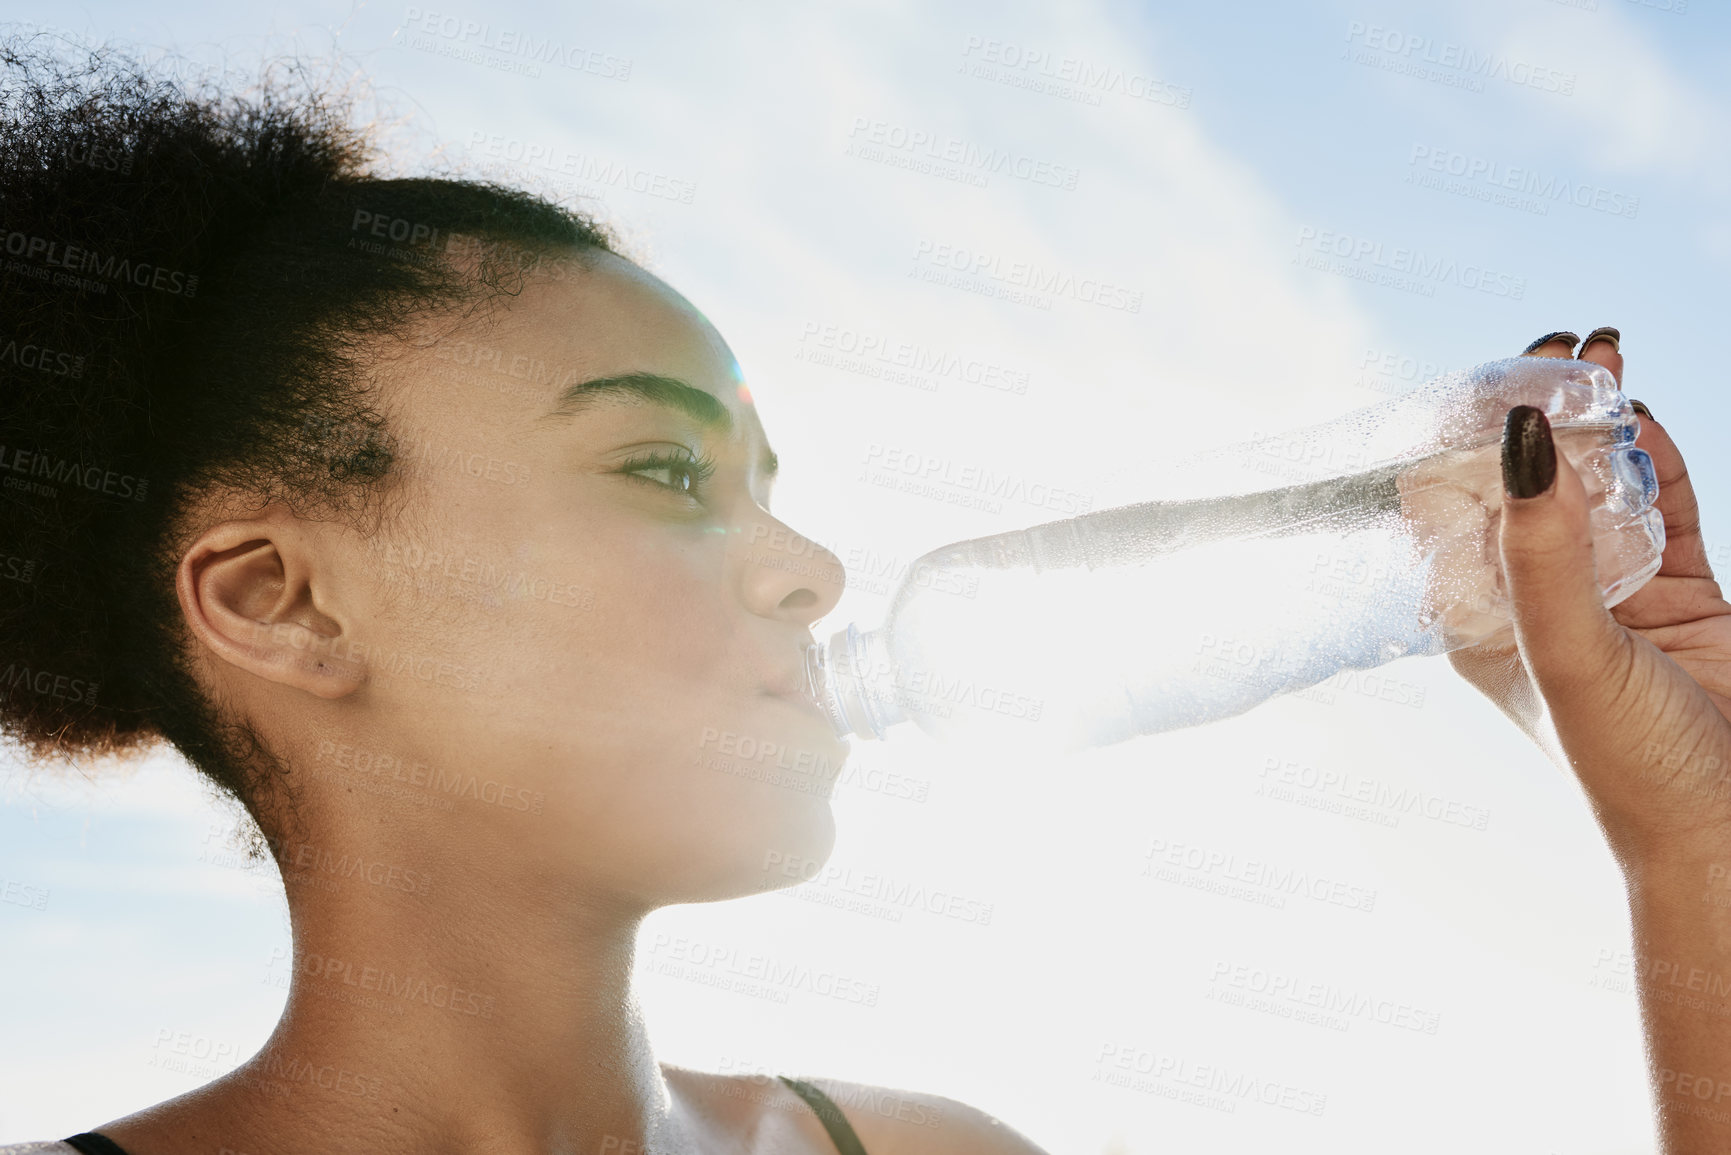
column 250, row 590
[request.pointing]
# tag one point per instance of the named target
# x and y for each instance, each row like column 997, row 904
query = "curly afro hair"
column 188, row 281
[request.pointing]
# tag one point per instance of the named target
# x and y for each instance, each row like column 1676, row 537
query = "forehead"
column 602, row 316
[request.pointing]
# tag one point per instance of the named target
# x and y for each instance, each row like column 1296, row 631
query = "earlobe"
column 247, row 590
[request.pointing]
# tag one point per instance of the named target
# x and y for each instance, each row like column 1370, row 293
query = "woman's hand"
column 1635, row 699
column 1635, row 702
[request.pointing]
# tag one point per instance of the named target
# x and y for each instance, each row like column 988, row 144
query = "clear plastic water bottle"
column 1172, row 613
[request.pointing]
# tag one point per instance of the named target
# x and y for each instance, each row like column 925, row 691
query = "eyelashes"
column 696, row 469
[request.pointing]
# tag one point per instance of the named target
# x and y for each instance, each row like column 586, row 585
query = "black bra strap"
column 841, row 1132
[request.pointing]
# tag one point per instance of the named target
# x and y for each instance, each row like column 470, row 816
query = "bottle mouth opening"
column 839, row 675
column 820, row 686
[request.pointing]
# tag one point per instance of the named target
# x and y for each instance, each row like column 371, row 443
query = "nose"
column 785, row 575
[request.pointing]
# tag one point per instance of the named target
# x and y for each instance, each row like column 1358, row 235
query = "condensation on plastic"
column 1338, row 547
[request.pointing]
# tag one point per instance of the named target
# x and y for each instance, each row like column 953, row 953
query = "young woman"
column 325, row 474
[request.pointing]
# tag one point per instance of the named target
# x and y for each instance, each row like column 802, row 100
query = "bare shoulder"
column 891, row 1121
column 888, row 1121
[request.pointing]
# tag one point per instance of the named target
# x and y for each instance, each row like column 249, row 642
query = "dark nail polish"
column 1529, row 456
column 1641, row 409
column 1549, row 337
column 1604, row 333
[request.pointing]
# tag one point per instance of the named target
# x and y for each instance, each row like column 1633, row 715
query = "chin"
column 760, row 857
column 729, row 798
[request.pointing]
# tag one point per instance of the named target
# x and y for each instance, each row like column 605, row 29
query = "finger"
column 1603, row 346
column 1685, row 552
column 1566, row 636
column 1559, row 344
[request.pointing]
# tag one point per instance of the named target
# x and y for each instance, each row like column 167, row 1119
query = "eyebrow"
column 669, row 392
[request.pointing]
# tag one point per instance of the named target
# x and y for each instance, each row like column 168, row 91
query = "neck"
column 438, row 1008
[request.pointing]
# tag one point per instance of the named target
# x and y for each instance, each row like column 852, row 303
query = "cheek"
column 660, row 615
column 649, row 640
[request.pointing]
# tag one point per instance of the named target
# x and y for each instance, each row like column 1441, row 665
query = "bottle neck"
column 853, row 676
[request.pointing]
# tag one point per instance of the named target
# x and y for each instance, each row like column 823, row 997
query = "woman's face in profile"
column 568, row 606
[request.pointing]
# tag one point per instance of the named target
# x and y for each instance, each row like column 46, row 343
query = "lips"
column 798, row 697
column 792, row 687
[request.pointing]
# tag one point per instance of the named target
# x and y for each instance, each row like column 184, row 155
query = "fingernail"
column 1603, row 333
column 1641, row 409
column 1549, row 337
column 1529, row 457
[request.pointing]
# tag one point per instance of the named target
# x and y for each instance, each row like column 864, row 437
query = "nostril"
column 799, row 599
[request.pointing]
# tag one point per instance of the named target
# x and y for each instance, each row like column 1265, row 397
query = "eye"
column 685, row 473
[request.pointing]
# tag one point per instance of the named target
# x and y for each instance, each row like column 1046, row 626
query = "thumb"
column 1567, row 637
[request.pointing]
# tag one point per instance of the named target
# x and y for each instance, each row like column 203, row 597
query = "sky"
column 1269, row 215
